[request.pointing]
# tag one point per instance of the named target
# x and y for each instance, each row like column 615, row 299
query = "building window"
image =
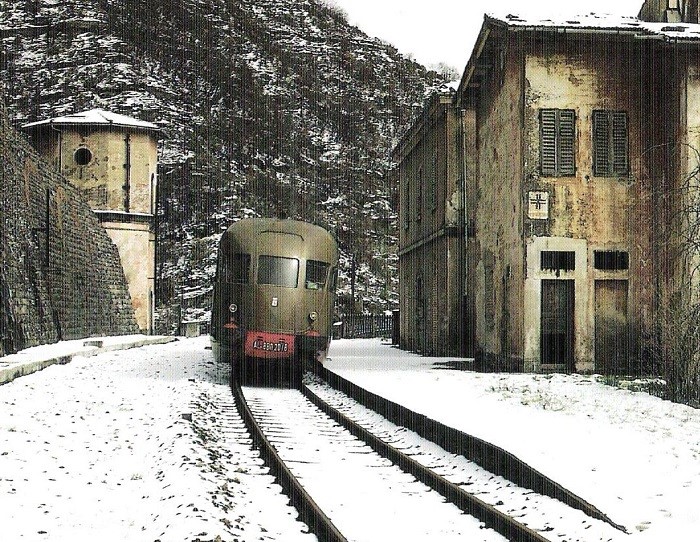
column 433, row 183
column 610, row 143
column 557, row 142
column 406, row 203
column 554, row 260
column 82, row 156
column 611, row 260
column 419, row 195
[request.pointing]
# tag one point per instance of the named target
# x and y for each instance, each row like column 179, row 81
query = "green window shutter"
column 548, row 142
column 557, row 142
column 610, row 143
column 601, row 143
column 620, row 146
column 567, row 139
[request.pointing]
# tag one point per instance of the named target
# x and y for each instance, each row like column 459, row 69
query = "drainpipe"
column 60, row 145
column 154, row 224
column 464, row 347
column 127, row 173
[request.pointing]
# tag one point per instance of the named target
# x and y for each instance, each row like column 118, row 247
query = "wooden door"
column 557, row 323
column 420, row 315
column 611, row 327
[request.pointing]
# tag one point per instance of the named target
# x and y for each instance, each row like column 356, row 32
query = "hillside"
column 274, row 108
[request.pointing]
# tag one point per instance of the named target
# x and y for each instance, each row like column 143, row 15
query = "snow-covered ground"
column 145, row 444
column 635, row 457
column 104, row 449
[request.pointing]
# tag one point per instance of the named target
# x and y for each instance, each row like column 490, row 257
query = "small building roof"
column 96, row 117
column 431, row 106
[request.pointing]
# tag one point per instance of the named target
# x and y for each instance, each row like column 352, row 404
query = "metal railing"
column 364, row 326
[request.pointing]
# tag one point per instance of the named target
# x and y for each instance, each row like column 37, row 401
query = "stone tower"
column 112, row 159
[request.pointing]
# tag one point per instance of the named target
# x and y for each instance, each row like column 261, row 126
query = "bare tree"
column 676, row 341
column 445, row 72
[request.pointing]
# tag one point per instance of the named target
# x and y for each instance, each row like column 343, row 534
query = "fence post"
column 395, row 331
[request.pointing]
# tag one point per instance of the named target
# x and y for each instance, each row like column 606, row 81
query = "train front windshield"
column 278, row 271
column 284, row 272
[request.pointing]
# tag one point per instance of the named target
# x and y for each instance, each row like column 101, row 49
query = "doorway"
column 420, row 315
column 611, row 327
column 557, row 323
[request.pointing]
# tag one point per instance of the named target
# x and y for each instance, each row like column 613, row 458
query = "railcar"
column 274, row 294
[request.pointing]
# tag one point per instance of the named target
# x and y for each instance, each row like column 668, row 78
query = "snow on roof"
column 602, row 22
column 97, row 117
column 591, row 23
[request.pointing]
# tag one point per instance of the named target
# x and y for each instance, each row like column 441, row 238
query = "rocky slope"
column 269, row 108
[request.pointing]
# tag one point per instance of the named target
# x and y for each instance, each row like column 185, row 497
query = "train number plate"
column 269, row 345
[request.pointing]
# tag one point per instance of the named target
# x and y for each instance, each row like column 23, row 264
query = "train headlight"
column 313, row 316
column 233, row 308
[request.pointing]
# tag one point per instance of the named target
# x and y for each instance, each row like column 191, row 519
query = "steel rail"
column 488, row 456
column 309, row 512
column 492, row 518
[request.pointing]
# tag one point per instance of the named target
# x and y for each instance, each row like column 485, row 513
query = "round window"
column 82, row 156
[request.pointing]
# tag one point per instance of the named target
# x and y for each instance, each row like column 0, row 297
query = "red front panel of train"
column 259, row 344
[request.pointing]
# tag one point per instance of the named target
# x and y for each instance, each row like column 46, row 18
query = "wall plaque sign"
column 538, row 205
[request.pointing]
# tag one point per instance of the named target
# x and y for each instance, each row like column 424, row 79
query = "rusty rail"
column 309, row 512
column 492, row 518
column 483, row 453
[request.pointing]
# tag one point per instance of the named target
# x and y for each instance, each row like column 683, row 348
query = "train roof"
column 254, row 226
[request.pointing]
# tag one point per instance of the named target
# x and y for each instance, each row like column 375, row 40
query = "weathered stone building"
column 112, row 159
column 60, row 274
column 574, row 134
column 431, row 233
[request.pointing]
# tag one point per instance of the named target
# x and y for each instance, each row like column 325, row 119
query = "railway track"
column 548, row 516
column 363, row 495
column 374, row 487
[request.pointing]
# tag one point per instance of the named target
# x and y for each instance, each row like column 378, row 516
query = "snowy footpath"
column 145, row 444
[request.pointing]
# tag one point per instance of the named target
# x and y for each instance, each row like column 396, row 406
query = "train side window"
column 316, row 274
column 278, row 271
column 236, row 268
column 334, row 279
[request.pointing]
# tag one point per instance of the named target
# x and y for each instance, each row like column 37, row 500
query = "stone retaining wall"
column 60, row 274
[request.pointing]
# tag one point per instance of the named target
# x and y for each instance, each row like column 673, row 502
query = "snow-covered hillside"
column 275, row 108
